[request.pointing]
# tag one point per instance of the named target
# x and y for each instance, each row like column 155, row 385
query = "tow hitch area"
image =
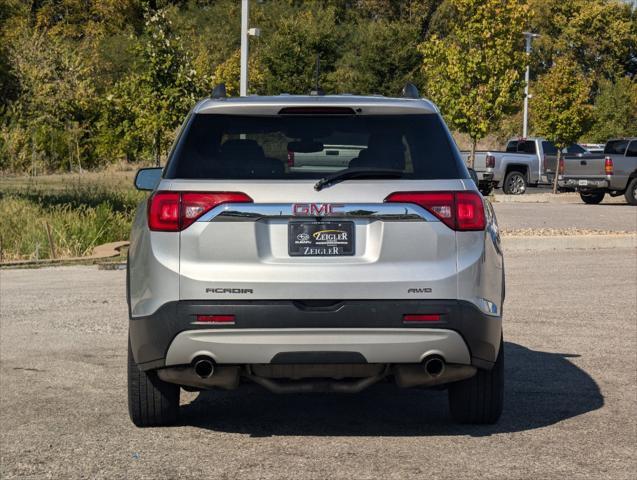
column 341, row 378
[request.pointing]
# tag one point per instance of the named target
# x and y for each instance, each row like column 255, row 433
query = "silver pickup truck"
column 526, row 161
column 614, row 172
column 322, row 156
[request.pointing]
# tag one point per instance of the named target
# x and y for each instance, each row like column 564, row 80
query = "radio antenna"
column 317, row 72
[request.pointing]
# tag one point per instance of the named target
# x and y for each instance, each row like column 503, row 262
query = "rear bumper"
column 577, row 183
column 318, row 346
column 277, row 331
column 485, row 178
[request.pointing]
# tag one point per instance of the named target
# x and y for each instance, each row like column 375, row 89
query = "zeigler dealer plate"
column 320, row 239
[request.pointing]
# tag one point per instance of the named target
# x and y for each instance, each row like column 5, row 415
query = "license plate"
column 583, row 182
column 320, row 239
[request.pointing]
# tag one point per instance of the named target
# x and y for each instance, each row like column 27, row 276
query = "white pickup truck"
column 526, row 161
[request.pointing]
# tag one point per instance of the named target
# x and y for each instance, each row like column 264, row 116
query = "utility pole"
column 246, row 33
column 528, row 37
column 245, row 10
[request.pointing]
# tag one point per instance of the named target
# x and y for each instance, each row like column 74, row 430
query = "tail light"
column 608, row 165
column 175, row 211
column 561, row 167
column 490, row 161
column 290, row 158
column 461, row 211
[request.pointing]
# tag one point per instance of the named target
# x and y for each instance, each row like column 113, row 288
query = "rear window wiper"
column 357, row 172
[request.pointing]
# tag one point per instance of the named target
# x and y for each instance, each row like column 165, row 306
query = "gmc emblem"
column 317, row 209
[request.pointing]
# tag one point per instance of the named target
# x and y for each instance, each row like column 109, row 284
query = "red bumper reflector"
column 215, row 318
column 426, row 317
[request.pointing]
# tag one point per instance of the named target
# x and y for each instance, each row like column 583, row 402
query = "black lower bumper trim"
column 151, row 336
column 317, row 358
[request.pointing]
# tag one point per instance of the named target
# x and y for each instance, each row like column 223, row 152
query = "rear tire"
column 514, row 183
column 631, row 192
column 592, row 198
column 151, row 402
column 479, row 399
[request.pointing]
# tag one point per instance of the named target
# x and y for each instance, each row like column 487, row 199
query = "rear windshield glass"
column 616, row 147
column 574, row 149
column 549, row 148
column 300, row 146
column 526, row 147
column 512, row 146
column 521, row 146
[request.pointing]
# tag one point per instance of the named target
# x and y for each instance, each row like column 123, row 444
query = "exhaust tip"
column 434, row 365
column 204, row 367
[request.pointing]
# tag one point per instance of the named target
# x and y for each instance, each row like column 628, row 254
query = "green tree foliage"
column 89, row 82
column 45, row 125
column 289, row 56
column 474, row 72
column 413, row 12
column 371, row 67
column 165, row 86
column 229, row 73
column 210, row 33
column 144, row 108
column 11, row 13
column 600, row 34
column 78, row 19
column 615, row 110
column 560, row 104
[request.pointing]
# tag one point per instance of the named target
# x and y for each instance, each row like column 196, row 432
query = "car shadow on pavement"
column 541, row 389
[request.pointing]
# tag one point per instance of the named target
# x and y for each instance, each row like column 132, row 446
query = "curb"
column 107, row 250
column 568, row 242
column 556, row 199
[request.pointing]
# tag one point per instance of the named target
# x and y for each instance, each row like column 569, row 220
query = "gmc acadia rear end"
column 244, row 268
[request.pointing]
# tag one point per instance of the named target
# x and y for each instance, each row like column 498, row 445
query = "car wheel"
column 631, row 192
column 592, row 198
column 479, row 399
column 151, row 401
column 514, row 183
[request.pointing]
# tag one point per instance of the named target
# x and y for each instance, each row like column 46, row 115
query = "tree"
column 615, row 110
column 289, row 56
column 166, row 86
column 474, row 73
column 229, row 73
column 560, row 106
column 601, row 35
column 55, row 95
column 382, row 59
column 410, row 12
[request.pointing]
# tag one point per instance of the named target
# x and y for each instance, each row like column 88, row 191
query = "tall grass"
column 78, row 217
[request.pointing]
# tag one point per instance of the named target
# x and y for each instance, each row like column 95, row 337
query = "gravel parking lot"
column 570, row 328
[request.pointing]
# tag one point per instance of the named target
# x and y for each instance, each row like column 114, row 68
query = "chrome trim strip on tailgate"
column 400, row 212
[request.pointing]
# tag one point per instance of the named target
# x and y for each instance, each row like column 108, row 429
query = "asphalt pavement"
column 570, row 331
column 603, row 217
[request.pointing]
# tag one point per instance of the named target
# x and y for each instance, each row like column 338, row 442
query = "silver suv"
column 245, row 267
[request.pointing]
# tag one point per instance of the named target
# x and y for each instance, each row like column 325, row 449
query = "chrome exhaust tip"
column 434, row 365
column 204, row 367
